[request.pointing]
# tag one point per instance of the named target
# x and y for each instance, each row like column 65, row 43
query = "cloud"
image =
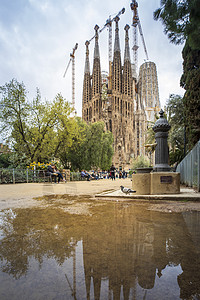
column 37, row 37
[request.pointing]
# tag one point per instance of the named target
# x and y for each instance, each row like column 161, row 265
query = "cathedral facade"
column 123, row 104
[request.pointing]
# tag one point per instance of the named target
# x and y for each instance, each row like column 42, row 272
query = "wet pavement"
column 22, row 195
column 75, row 247
column 61, row 242
column 185, row 194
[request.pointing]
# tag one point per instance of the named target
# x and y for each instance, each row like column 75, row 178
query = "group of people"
column 86, row 175
column 112, row 173
column 55, row 173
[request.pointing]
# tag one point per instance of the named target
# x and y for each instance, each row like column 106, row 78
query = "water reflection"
column 120, row 251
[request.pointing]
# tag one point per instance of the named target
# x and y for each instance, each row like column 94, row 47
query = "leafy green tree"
column 74, row 155
column 176, row 117
column 181, row 20
column 190, row 81
column 4, row 160
column 37, row 129
column 107, row 151
column 91, row 147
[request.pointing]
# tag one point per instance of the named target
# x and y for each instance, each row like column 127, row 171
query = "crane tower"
column 72, row 59
column 136, row 23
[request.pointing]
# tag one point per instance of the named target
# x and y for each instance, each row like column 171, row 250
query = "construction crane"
column 136, row 22
column 108, row 24
column 72, row 59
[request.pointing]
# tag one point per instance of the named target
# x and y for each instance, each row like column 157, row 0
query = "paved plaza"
column 24, row 194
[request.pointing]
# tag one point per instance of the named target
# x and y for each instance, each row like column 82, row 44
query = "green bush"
column 140, row 162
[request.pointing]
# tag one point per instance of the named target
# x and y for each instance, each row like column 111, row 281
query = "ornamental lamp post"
column 161, row 128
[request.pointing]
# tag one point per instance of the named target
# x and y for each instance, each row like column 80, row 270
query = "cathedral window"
column 97, row 106
column 138, row 130
column 90, row 113
column 110, row 125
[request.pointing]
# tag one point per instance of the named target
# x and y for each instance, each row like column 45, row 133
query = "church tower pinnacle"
column 96, row 74
column 117, row 65
column 127, row 70
column 96, row 80
column 86, row 100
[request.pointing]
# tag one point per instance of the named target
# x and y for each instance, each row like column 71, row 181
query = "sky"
column 37, row 37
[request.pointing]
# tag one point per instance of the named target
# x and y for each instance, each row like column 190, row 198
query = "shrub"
column 140, row 162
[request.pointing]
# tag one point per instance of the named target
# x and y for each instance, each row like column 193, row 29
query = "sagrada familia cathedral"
column 126, row 104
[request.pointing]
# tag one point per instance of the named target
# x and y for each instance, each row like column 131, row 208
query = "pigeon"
column 126, row 190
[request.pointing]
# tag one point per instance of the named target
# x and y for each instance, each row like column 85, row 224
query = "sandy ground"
column 32, row 194
column 24, row 194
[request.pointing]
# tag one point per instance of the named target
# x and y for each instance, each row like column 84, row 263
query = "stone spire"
column 95, row 112
column 87, row 63
column 96, row 74
column 86, row 99
column 117, row 65
column 116, row 45
column 96, row 47
column 127, row 49
column 127, row 86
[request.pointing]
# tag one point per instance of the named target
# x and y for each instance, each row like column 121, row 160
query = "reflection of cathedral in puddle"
column 121, row 251
column 131, row 252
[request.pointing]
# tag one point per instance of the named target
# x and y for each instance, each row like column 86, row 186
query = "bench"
column 46, row 175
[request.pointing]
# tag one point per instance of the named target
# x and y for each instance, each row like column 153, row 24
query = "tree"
column 74, row 155
column 91, row 147
column 176, row 117
column 107, row 151
column 37, row 130
column 181, row 20
column 190, row 81
column 4, row 160
column 99, row 146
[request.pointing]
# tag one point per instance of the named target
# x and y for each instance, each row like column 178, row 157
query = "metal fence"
column 27, row 176
column 22, row 176
column 189, row 168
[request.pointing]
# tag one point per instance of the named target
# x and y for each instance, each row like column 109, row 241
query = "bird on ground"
column 126, row 190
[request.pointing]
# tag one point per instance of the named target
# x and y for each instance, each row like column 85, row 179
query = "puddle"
column 105, row 251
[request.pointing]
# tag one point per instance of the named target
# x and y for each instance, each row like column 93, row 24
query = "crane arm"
column 74, row 49
column 67, row 67
column 71, row 58
column 109, row 21
column 122, row 11
column 142, row 37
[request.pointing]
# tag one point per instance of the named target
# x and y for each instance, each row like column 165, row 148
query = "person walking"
column 112, row 172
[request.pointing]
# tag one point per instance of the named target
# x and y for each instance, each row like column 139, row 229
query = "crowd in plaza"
column 113, row 173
